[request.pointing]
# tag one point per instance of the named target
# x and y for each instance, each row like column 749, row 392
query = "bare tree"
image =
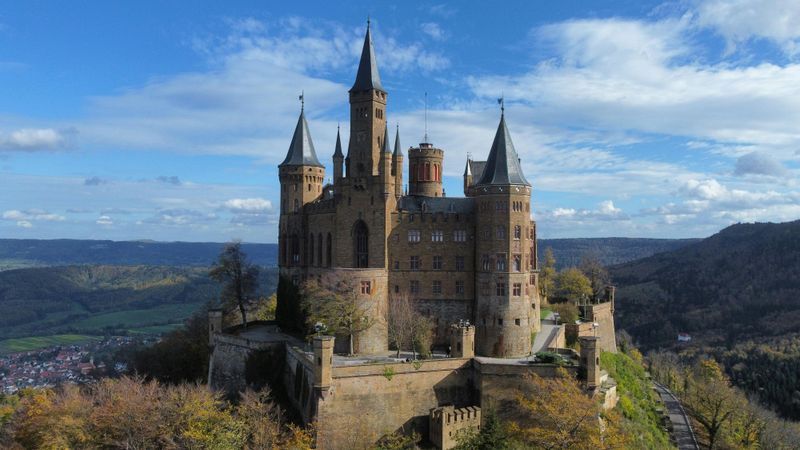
column 408, row 328
column 336, row 303
column 239, row 278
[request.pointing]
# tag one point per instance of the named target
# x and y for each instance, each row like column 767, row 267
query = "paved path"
column 682, row 428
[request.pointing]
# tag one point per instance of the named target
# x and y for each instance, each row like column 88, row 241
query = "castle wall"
column 603, row 315
column 366, row 402
column 298, row 380
column 228, row 362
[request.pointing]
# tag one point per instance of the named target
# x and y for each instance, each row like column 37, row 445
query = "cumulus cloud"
column 32, row 139
column 759, row 164
column 26, row 219
column 104, row 221
column 248, row 205
column 605, row 210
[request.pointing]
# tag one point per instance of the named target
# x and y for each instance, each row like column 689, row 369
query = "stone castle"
column 469, row 263
column 469, row 258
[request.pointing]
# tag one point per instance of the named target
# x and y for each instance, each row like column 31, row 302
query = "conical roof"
column 397, row 150
column 301, row 150
column 386, row 147
column 503, row 167
column 367, row 76
column 337, row 153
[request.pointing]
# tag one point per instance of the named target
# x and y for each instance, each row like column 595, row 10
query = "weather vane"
column 302, row 100
column 502, row 102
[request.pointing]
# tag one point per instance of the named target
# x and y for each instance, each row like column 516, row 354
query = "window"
column 501, row 262
column 459, row 263
column 500, row 289
column 296, row 205
column 460, row 235
column 517, row 290
column 517, row 232
column 459, row 287
column 413, row 235
column 517, row 322
column 437, row 236
column 397, row 264
column 410, row 217
column 365, row 287
column 437, row 263
column 413, row 286
column 486, row 263
column 517, row 263
column 361, row 241
column 413, row 263
column 499, row 321
column 436, row 287
column 501, row 232
column 485, row 289
column 396, row 288
column 487, row 233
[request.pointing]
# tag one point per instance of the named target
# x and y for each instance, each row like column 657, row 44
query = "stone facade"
column 460, row 259
column 447, row 422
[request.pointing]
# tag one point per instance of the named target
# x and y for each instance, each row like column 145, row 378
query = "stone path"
column 681, row 426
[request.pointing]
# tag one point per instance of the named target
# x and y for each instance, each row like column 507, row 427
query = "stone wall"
column 603, row 315
column 228, row 362
column 298, row 380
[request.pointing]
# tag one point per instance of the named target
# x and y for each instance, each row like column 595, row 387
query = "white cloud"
column 248, row 205
column 433, row 30
column 104, row 221
column 31, row 139
column 31, row 215
column 24, row 224
column 740, row 20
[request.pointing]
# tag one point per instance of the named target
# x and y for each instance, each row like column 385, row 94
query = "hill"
column 18, row 253
column 104, row 299
column 610, row 251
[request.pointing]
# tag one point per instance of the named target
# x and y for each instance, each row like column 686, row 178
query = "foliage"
column 549, row 358
column 265, row 308
column 408, row 328
column 398, row 441
column 493, row 435
column 239, row 278
column 388, row 372
column 547, row 274
column 596, row 273
column 567, row 312
column 571, row 284
column 135, row 414
column 336, row 304
column 638, row 403
column 556, row 413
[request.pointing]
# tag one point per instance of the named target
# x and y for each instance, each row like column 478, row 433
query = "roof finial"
column 426, row 118
column 302, row 101
column 368, row 21
column 502, row 102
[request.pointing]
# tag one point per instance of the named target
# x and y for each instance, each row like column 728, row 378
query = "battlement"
column 447, row 421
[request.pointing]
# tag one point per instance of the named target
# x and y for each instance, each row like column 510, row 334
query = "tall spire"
column 338, row 150
column 503, row 166
column 367, row 77
column 301, row 150
column 397, row 150
column 386, row 148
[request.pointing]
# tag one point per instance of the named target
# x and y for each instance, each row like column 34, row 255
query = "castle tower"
column 506, row 306
column 338, row 158
column 425, row 170
column 301, row 177
column 386, row 168
column 367, row 116
column 397, row 165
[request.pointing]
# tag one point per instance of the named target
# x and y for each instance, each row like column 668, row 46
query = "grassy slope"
column 37, row 342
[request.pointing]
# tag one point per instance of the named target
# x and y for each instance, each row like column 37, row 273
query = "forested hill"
column 16, row 253
column 741, row 283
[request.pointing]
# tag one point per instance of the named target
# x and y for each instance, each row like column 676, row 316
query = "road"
column 681, row 426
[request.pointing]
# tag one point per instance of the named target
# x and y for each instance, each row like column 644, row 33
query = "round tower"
column 506, row 307
column 425, row 170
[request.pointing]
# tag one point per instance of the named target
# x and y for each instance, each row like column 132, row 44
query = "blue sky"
column 166, row 120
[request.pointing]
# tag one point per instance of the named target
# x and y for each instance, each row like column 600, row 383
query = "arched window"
column 295, row 249
column 328, row 251
column 319, row 250
column 421, row 174
column 311, row 249
column 296, row 205
column 360, row 244
column 427, row 171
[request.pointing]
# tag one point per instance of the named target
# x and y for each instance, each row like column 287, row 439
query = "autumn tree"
column 555, row 413
column 408, row 328
column 596, row 272
column 548, row 274
column 567, row 312
column 337, row 304
column 238, row 276
column 710, row 399
column 571, row 284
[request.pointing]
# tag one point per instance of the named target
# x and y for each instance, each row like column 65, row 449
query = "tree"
column 493, row 435
column 596, row 272
column 710, row 399
column 239, row 278
column 572, row 284
column 555, row 413
column 548, row 274
column 336, row 304
column 567, row 312
column 408, row 328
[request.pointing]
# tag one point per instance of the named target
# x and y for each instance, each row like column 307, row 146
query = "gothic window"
column 517, row 232
column 501, row 232
column 360, row 245
column 485, row 263
column 295, row 249
column 328, row 251
column 501, row 262
column 517, row 263
column 427, row 171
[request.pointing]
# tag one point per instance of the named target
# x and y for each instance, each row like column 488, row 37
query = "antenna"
column 426, row 118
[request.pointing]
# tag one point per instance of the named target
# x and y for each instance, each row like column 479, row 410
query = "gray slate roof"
column 475, row 168
column 502, row 166
column 367, row 76
column 338, row 150
column 386, row 147
column 397, row 150
column 458, row 205
column 301, row 150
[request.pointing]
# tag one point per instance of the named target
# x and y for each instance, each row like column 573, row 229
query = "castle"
column 469, row 258
column 469, row 263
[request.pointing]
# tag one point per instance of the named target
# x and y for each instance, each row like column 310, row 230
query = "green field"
column 139, row 318
column 37, row 342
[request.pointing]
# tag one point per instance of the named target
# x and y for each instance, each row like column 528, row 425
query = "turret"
column 506, row 303
column 338, row 158
column 425, row 170
column 387, row 179
column 397, row 165
column 467, row 176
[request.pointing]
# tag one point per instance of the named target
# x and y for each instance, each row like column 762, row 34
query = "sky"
column 166, row 120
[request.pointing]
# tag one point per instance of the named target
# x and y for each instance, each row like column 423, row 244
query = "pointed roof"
column 386, row 148
column 301, row 150
column 397, row 150
column 503, row 166
column 367, row 76
column 468, row 170
column 338, row 151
